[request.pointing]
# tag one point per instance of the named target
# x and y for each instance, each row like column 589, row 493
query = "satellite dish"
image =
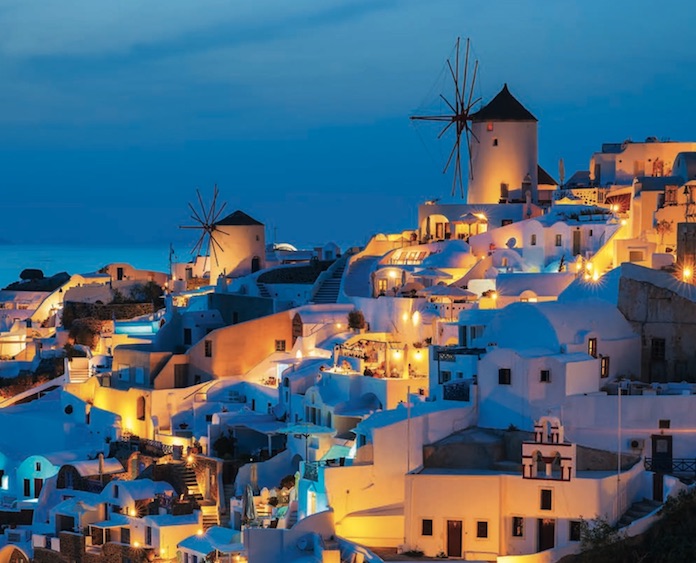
column 511, row 243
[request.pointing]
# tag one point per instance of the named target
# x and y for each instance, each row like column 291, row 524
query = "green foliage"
column 224, row 447
column 356, row 319
column 598, row 534
column 85, row 331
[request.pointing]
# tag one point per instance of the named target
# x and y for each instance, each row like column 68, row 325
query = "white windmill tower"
column 235, row 244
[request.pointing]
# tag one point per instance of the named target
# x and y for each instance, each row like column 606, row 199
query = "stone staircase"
column 292, row 516
column 263, row 290
column 638, row 510
column 209, row 513
column 329, row 289
column 188, row 477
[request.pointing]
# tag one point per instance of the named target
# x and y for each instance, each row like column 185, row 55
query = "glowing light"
column 595, row 276
column 687, row 273
column 404, row 317
column 298, row 355
column 136, row 544
column 416, row 317
column 392, row 274
column 587, row 277
column 589, row 266
column 199, row 532
column 578, row 265
column 623, row 222
column 189, row 459
column 132, row 512
column 418, row 354
column 162, row 551
column 338, row 325
column 494, row 296
column 396, row 353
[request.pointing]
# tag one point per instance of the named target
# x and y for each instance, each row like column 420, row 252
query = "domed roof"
column 238, row 218
column 504, row 107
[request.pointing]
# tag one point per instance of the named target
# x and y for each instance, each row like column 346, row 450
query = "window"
column 495, row 142
column 504, row 262
column 187, row 337
column 517, row 527
column 532, row 242
column 208, row 348
column 657, row 349
column 506, row 222
column 604, row 367
column 559, row 240
column 545, row 376
column 148, row 535
column 445, row 376
column 426, row 527
column 546, row 499
column 663, row 424
column 592, row 347
column 280, row 345
column 115, row 491
column 481, row 529
column 209, row 418
column 140, row 408
column 575, row 530
column 38, row 466
column 27, row 488
column 125, row 535
column 504, row 376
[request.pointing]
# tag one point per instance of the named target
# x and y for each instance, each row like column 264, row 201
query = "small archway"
column 140, row 408
column 255, row 264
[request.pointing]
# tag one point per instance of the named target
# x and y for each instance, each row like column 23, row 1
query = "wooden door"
column 546, row 534
column 454, row 538
column 662, row 453
column 576, row 242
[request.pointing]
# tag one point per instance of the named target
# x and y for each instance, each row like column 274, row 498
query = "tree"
column 356, row 319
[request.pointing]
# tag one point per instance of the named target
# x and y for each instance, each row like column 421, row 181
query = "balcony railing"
column 674, row 465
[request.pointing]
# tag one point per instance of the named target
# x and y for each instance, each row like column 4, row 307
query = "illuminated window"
column 382, row 285
column 504, row 376
column 517, row 527
column 592, row 347
column 481, row 529
column 280, row 345
column 575, row 531
column 426, row 527
column 604, row 367
column 208, row 348
column 546, row 499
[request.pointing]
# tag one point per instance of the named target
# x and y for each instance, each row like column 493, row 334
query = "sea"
column 52, row 259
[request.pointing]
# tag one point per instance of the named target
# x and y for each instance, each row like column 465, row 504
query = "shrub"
column 356, row 319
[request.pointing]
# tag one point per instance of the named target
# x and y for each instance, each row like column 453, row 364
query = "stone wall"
column 657, row 313
column 74, row 310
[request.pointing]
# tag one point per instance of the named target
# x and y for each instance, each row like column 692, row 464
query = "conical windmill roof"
column 238, row 218
column 504, row 107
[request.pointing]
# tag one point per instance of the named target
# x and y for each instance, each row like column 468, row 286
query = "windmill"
column 457, row 112
column 206, row 219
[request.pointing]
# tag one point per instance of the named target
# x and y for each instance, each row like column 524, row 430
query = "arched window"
column 140, row 408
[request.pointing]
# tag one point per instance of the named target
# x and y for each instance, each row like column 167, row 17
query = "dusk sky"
column 112, row 113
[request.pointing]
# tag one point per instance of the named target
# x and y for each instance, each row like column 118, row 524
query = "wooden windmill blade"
column 458, row 111
column 205, row 219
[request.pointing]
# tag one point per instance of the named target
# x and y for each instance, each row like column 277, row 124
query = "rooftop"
column 504, row 107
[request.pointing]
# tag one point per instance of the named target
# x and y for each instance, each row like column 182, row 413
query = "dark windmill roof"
column 238, row 218
column 544, row 178
column 504, row 107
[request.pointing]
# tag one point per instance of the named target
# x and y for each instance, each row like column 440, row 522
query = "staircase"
column 210, row 516
column 638, row 510
column 263, row 290
column 191, row 488
column 330, row 287
column 292, row 516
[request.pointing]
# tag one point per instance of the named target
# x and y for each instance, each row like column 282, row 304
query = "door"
column 662, row 453
column 576, row 242
column 454, row 538
column 546, row 533
column 255, row 264
column 180, row 375
column 38, row 485
column 659, row 487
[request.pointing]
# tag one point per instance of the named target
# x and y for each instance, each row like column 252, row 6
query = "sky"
column 112, row 114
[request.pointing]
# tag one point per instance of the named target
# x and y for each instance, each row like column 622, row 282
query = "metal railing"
column 674, row 465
